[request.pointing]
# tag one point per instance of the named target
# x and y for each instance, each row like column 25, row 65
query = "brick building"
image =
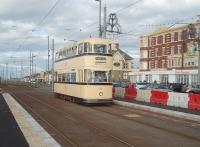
column 170, row 54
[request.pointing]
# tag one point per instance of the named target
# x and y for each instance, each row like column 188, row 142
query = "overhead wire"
column 41, row 21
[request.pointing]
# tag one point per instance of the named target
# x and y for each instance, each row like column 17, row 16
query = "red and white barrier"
column 194, row 101
column 178, row 99
column 143, row 95
column 162, row 97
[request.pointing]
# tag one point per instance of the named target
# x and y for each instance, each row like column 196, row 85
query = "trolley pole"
column 52, row 64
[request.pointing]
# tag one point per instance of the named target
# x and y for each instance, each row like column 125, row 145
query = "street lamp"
column 100, row 32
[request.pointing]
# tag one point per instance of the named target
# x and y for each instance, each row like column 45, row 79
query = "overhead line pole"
column 100, row 31
column 52, row 64
column 48, row 63
column 6, row 73
column 105, row 22
column 30, row 68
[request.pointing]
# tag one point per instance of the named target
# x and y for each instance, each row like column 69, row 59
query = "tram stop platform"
column 19, row 128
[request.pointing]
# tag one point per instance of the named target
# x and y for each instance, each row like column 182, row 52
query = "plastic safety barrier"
column 130, row 93
column 119, row 92
column 143, row 95
column 178, row 99
column 159, row 97
column 194, row 101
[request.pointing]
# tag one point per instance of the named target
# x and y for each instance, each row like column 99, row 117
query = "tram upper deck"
column 91, row 46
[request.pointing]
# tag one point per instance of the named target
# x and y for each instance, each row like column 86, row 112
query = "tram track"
column 147, row 124
column 43, row 98
column 52, row 126
column 88, row 123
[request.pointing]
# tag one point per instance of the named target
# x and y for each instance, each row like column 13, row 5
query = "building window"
column 168, row 38
column 167, row 51
column 179, row 36
column 153, row 41
column 179, row 49
column 160, row 63
column 164, row 78
column 194, row 80
column 148, row 78
column 184, row 35
column 175, row 50
column 153, row 53
column 172, row 50
column 152, row 64
column 160, row 39
column 159, row 52
column 176, row 36
column 183, row 79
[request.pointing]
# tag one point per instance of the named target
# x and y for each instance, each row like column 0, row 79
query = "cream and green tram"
column 83, row 71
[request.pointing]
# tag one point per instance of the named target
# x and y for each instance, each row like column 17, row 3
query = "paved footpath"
column 18, row 128
column 10, row 133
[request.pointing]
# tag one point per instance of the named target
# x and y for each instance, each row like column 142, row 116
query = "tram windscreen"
column 100, row 48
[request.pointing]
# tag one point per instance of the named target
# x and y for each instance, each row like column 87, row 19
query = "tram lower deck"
column 84, row 92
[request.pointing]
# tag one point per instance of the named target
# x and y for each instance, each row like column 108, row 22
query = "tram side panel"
column 85, row 92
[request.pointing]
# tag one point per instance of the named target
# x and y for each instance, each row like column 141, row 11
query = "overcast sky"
column 22, row 29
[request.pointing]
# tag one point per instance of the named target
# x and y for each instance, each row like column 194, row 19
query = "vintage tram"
column 83, row 71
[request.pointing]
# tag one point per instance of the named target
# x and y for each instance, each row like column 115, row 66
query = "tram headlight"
column 100, row 93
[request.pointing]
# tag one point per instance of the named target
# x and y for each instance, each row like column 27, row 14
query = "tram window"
column 89, row 46
column 100, row 48
column 109, row 76
column 74, row 50
column 70, row 52
column 87, row 75
column 63, row 77
column 73, row 77
column 60, row 55
column 59, row 77
column 64, row 53
column 100, row 76
column 85, row 47
column 80, row 48
column 110, row 48
column 68, row 77
column 67, row 55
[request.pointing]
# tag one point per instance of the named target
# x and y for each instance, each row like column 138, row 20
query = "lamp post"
column 100, row 31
